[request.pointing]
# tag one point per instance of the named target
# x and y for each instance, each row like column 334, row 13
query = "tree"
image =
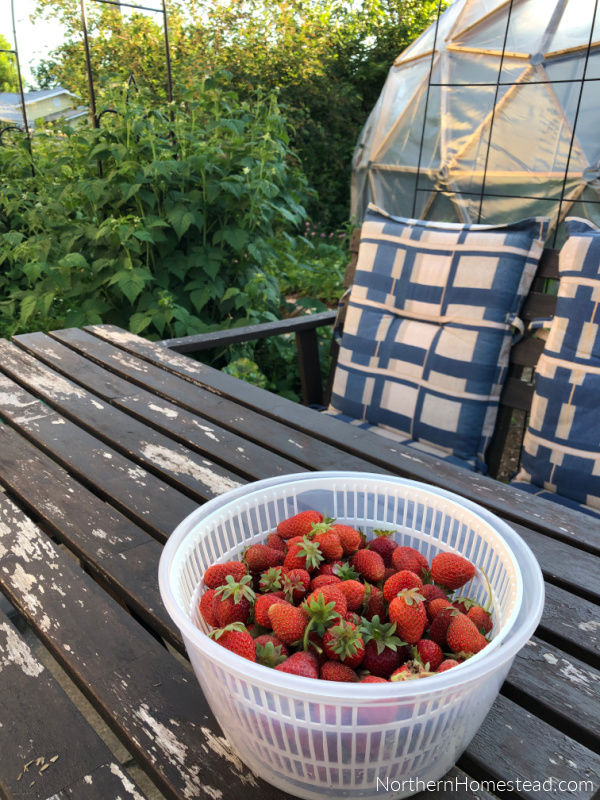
column 327, row 60
column 9, row 77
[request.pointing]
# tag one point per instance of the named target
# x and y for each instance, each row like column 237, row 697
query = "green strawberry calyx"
column 380, row 533
column 269, row 655
column 346, row 639
column 237, row 590
column 411, row 596
column 345, row 572
column 311, row 552
column 382, row 633
column 321, row 527
column 271, row 580
column 233, row 626
column 320, row 614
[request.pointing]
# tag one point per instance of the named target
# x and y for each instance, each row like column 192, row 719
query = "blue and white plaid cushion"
column 561, row 449
column 429, row 327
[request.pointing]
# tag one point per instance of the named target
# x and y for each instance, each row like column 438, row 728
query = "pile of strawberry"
column 317, row 600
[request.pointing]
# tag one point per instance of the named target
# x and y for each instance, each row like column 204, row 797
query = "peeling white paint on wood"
column 222, row 748
column 58, row 422
column 87, row 779
column 128, row 785
column 168, row 412
column 15, row 651
column 137, row 472
column 590, row 626
column 96, row 404
column 131, row 362
column 178, row 463
column 297, row 444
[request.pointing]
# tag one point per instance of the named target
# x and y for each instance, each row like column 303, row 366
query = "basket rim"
column 480, row 665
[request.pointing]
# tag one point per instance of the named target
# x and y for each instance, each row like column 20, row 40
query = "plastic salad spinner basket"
column 317, row 738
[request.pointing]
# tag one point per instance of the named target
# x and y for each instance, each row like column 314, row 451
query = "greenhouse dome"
column 490, row 116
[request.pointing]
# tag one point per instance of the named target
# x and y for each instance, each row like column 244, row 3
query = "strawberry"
column 314, row 645
column 373, row 679
column 439, row 626
column 481, row 618
column 447, row 664
column 236, row 638
column 272, row 580
column 288, row 622
column 451, row 570
column 323, row 580
column 304, row 555
column 384, row 651
column 216, row 575
column 276, row 542
column 389, row 571
column 463, row 637
column 330, row 594
column 260, row 557
column 263, row 604
column 330, row 545
column 369, row 565
column 435, row 607
column 343, row 642
column 400, row 580
column 295, row 585
column 464, row 604
column 349, row 538
column 334, row 671
column 298, row 525
column 409, row 558
column 206, row 608
column 432, row 592
column 407, row 610
column 383, row 545
column 323, row 607
column 354, row 592
column 236, row 598
column 403, row 673
column 353, row 617
column 374, row 603
column 330, row 568
column 300, row 663
column 270, row 651
column 429, row 654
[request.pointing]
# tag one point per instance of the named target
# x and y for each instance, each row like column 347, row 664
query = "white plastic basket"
column 319, row 739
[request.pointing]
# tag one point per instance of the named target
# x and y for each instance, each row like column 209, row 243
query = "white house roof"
column 13, row 99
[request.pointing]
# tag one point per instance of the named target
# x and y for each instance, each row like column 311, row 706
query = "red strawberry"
column 354, row 592
column 463, row 637
column 260, row 557
column 343, row 642
column 373, row 679
column 263, row 604
column 435, row 607
column 439, row 626
column 384, row 651
column 304, row 555
column 334, row 671
column 463, row 604
column 429, row 653
column 288, row 622
column 349, row 538
column 314, row 645
column 330, row 594
column 272, row 580
column 330, row 568
column 353, row 617
column 409, row 558
column 300, row 663
column 270, row 651
column 481, row 618
column 389, row 571
column 276, row 542
column 451, row 570
column 400, row 580
column 447, row 664
column 206, row 608
column 236, row 638
column 323, row 580
column 295, row 585
column 431, row 592
column 299, row 525
column 408, row 612
column 369, row 565
column 236, row 598
column 383, row 545
column 217, row 574
column 374, row 603
column 330, row 545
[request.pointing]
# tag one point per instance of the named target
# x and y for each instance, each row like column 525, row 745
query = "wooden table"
column 108, row 442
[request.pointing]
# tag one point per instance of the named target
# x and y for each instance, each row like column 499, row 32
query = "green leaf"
column 144, row 236
column 181, row 219
column 139, row 322
column 237, row 238
column 131, row 282
column 129, row 191
column 231, row 292
column 28, row 306
column 73, row 260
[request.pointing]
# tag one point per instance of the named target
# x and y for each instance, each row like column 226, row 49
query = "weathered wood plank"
column 192, row 474
column 527, row 749
column 572, row 624
column 161, row 716
column 247, row 459
column 38, row 723
column 276, row 436
column 149, row 502
column 111, row 546
column 557, row 522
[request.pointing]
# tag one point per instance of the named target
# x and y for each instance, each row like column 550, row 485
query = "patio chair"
column 516, row 373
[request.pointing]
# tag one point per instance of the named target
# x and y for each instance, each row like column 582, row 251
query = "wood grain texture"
column 38, row 723
column 555, row 521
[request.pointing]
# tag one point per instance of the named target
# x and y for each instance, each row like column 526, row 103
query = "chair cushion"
column 561, row 448
column 402, row 438
column 429, row 327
